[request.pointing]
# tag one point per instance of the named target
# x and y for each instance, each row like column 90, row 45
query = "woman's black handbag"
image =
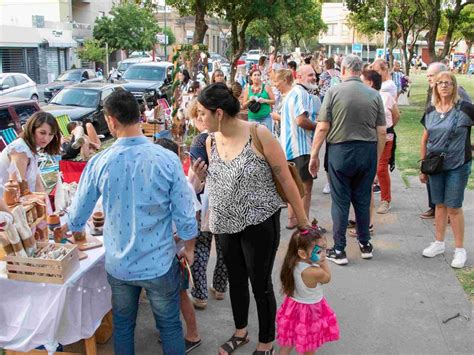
column 255, row 106
column 433, row 162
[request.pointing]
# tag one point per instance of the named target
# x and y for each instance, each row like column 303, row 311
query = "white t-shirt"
column 390, row 87
column 388, row 103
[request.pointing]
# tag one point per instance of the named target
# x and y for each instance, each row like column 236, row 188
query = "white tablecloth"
column 34, row 314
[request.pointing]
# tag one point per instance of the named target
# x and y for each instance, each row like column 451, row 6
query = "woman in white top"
column 41, row 133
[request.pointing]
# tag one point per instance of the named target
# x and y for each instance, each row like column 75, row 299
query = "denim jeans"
column 352, row 168
column 267, row 121
column 163, row 294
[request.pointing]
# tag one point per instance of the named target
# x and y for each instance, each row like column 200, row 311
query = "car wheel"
column 35, row 97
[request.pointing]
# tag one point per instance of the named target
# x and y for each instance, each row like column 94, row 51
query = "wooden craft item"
column 88, row 243
column 11, row 195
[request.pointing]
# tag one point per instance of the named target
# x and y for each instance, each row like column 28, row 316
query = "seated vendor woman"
column 19, row 160
column 79, row 143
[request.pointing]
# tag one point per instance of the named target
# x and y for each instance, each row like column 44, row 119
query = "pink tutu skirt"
column 306, row 326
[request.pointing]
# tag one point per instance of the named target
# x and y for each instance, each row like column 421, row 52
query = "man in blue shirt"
column 144, row 191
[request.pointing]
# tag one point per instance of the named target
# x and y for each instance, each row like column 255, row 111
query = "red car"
column 15, row 111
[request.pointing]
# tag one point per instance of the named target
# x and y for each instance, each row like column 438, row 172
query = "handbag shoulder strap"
column 256, row 141
column 451, row 132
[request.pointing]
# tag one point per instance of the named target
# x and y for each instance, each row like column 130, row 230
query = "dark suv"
column 148, row 81
column 15, row 111
column 83, row 102
column 69, row 77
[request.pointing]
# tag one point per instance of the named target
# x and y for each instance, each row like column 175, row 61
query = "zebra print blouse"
column 241, row 191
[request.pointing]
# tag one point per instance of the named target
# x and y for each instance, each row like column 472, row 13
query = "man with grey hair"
column 352, row 120
column 434, row 69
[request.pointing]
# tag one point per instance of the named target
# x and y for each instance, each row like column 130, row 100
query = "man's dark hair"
column 292, row 65
column 168, row 144
column 123, row 106
column 374, row 77
column 70, row 126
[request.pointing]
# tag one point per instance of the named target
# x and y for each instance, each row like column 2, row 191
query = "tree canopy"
column 129, row 27
column 92, row 51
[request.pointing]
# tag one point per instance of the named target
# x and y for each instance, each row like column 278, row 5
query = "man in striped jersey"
column 298, row 122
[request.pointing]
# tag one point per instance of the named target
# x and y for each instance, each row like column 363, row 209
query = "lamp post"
column 385, row 33
column 166, row 41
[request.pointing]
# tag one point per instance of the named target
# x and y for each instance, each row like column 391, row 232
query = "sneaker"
column 78, row 143
column 327, row 189
column 459, row 258
column 191, row 345
column 434, row 249
column 336, row 256
column 430, row 214
column 376, row 189
column 384, row 207
column 366, row 250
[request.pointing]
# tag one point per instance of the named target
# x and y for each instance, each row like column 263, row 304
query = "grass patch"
column 466, row 278
column 409, row 130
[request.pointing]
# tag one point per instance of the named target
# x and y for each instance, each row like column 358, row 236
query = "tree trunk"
column 435, row 19
column 200, row 22
column 451, row 27
column 238, row 45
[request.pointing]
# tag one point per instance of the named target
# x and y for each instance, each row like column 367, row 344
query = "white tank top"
column 303, row 293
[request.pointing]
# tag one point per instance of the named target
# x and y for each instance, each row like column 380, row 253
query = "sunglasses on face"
column 444, row 83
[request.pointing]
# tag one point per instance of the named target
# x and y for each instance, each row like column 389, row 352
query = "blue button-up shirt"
column 144, row 190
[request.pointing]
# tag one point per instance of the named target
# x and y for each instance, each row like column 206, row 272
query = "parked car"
column 83, row 103
column 69, row 77
column 149, row 81
column 15, row 111
column 18, row 85
column 127, row 63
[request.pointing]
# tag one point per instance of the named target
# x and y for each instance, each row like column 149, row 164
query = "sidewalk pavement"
column 393, row 304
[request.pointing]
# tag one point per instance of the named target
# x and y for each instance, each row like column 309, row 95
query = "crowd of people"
column 251, row 140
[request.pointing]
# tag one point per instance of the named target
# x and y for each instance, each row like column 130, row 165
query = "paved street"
column 393, row 304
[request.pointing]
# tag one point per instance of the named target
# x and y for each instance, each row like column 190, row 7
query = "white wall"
column 20, row 12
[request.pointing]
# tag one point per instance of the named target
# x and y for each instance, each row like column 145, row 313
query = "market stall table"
column 34, row 314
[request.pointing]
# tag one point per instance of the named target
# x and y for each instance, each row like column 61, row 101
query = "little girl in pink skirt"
column 305, row 321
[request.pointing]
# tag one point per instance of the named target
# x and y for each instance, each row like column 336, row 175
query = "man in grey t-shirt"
column 352, row 119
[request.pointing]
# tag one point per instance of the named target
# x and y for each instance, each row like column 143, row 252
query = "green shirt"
column 354, row 111
column 265, row 109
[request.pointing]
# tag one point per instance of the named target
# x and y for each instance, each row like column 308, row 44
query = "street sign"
column 161, row 38
column 356, row 47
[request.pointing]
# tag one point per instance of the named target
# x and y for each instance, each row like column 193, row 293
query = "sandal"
column 353, row 232
column 217, row 295
column 264, row 352
column 234, row 343
column 291, row 226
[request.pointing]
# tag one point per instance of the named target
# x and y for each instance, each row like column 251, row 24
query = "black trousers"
column 250, row 254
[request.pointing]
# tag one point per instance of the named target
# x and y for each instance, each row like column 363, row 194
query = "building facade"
column 216, row 37
column 40, row 37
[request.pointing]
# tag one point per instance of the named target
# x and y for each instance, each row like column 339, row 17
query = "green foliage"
column 171, row 37
column 130, row 28
column 298, row 19
column 92, row 51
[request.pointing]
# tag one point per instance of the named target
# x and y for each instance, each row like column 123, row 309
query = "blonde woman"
column 448, row 130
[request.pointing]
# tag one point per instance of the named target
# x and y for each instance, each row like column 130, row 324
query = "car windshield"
column 77, row 97
column 138, row 72
column 70, row 76
column 124, row 66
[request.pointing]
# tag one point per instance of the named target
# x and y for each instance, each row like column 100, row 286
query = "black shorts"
column 302, row 164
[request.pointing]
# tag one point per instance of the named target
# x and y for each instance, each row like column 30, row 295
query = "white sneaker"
column 327, row 189
column 384, row 207
column 459, row 258
column 434, row 249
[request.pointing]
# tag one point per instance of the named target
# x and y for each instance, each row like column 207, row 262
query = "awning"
column 58, row 38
